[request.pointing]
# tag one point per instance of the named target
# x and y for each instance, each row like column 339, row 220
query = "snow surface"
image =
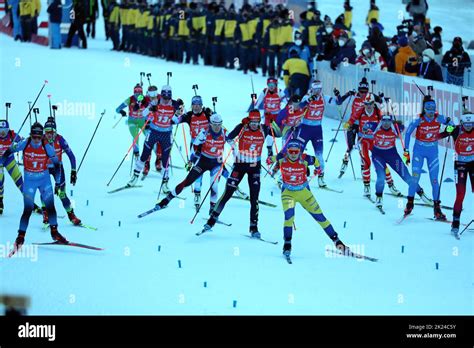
column 133, row 277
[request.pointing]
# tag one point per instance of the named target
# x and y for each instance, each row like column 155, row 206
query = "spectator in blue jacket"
column 345, row 53
column 15, row 15
column 55, row 10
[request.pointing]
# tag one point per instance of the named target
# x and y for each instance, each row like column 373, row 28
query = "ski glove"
column 270, row 160
column 336, row 92
column 73, row 177
column 449, row 129
column 188, row 166
column 406, row 157
column 123, row 113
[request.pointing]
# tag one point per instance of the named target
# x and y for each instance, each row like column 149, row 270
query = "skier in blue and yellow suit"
column 295, row 189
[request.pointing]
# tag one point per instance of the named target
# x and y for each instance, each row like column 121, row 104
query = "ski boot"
column 379, row 202
column 73, row 218
column 340, row 245
column 197, row 199
column 394, row 190
column 254, row 232
column 424, row 197
column 438, row 214
column 367, row 190
column 206, row 228
column 20, row 239
column 158, row 165
column 134, row 179
column 321, row 181
column 165, row 201
column 165, row 187
column 57, row 237
column 136, row 154
column 345, row 162
column 409, row 206
column 287, row 249
column 146, row 169
column 1, row 205
column 455, row 228
column 45, row 216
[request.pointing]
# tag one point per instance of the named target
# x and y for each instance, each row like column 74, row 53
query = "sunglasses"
column 272, row 85
column 293, row 152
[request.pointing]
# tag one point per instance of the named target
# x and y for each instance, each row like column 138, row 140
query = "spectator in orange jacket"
column 404, row 55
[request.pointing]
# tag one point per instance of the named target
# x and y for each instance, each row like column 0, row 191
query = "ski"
column 445, row 221
column 220, row 222
column 14, row 251
column 259, row 202
column 399, row 221
column 261, row 239
column 288, row 259
column 124, row 188
column 350, row 253
column 148, row 212
column 331, row 189
column 85, row 226
column 204, row 230
column 431, row 205
column 381, row 210
column 369, row 198
column 71, row 244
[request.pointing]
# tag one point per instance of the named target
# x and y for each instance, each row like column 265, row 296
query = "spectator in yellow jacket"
column 27, row 10
column 296, row 74
column 404, row 55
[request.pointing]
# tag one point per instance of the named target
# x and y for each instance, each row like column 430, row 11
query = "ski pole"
column 54, row 111
column 131, row 146
column 418, row 88
column 214, row 101
column 7, row 106
column 168, row 75
column 50, row 109
column 387, row 100
column 167, row 163
column 115, row 125
column 90, row 142
column 274, row 139
column 444, row 164
column 286, row 143
column 29, row 107
column 217, row 175
column 148, row 75
column 36, row 112
column 185, row 143
column 350, row 158
column 339, row 127
column 141, row 78
column 253, row 95
column 29, row 112
column 465, row 228
column 195, row 88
